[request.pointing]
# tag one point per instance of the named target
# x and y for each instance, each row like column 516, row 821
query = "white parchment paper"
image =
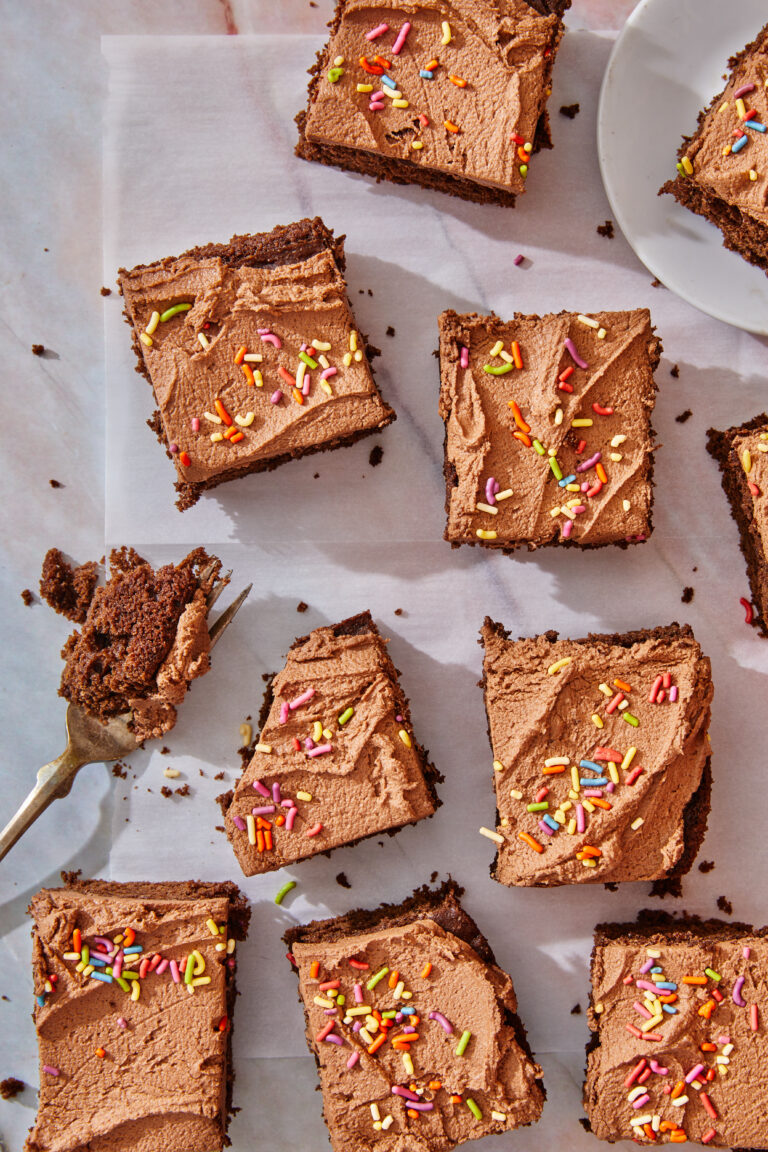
column 198, row 144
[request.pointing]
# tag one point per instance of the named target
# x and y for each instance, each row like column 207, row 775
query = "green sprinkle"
column 171, row 312
column 128, row 975
column 712, row 974
column 461, row 1047
column 375, row 979
column 389, row 1015
column 523, row 170
column 286, row 888
column 346, row 715
column 341, row 1000
column 189, row 969
column 498, row 369
column 85, row 954
column 310, row 363
column 541, row 807
column 555, row 468
column 680, row 169
column 539, row 447
column 123, row 983
column 474, row 1108
column 633, row 720
column 335, row 74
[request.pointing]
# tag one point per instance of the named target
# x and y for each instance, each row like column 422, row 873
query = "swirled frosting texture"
column 535, row 715
column 373, row 776
column 480, row 441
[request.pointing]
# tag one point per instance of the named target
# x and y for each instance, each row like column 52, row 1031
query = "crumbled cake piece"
column 68, row 588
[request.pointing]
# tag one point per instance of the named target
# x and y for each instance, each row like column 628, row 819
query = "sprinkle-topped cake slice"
column 336, row 759
column 722, row 170
column 742, row 453
column 447, row 95
column 134, row 991
column 679, row 1050
column 253, row 354
column 548, row 436
column 413, row 1027
column 600, row 755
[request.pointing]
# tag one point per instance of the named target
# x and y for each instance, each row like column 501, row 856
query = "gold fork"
column 89, row 741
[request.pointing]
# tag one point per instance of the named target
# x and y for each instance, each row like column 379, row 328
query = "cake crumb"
column 342, row 881
column 120, row 770
column 725, row 905
column 316, row 476
column 27, row 597
column 220, row 828
column 611, row 886
column 166, row 792
column 38, row 349
column 55, row 483
column 68, row 589
column 706, row 865
column 398, row 611
column 165, row 750
column 656, row 284
column 687, row 595
column 570, row 110
column 105, row 291
column 370, row 292
column 302, row 606
column 585, row 1124
column 606, row 230
column 674, row 371
column 681, row 419
column 576, row 1010
column 376, row 456
column 183, row 791
column 390, row 330
column 433, row 877
column 11, row 1086
column 219, row 776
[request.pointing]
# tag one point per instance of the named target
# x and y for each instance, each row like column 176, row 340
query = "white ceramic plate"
column 666, row 66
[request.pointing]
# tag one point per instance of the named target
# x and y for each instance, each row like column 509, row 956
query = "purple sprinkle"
column 353, row 1059
column 276, row 792
column 518, row 259
column 50, row 1070
column 673, row 694
column 546, row 828
column 121, row 1023
column 464, row 357
column 587, row 464
column 231, row 962
column 399, row 719
column 239, row 823
column 610, row 786
column 105, row 943
column 398, row 1017
column 570, row 347
column 442, row 1021
column 100, row 956
column 309, row 743
column 357, row 1025
column 398, row 1090
column 420, row 1107
column 409, row 1028
column 329, row 1011
column 173, row 449
column 332, row 1038
column 743, row 90
column 265, row 811
column 657, row 1068
column 491, row 488
column 736, row 994
column 261, row 789
column 276, row 397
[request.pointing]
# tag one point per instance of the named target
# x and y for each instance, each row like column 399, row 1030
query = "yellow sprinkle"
column 581, row 423
column 303, row 795
column 649, row 1025
column 571, row 827
column 245, row 421
column 212, row 418
column 487, row 508
column 687, row 166
column 498, row 766
column 615, row 456
column 398, row 990
column 617, row 441
column 400, row 104
column 146, row 340
column 741, row 111
column 171, row 773
column 326, row 387
column 204, row 341
column 556, row 761
column 212, row 926
column 637, row 824
column 323, row 345
column 613, row 772
column 375, row 1112
column 558, row 664
column 258, row 379
column 588, row 805
column 491, row 835
column 746, row 460
column 198, row 980
column 606, row 691
column 353, row 341
column 496, row 348
column 504, row 822
column 559, row 416
column 407, row 1064
column 572, row 488
column 588, row 321
column 554, row 511
column 626, row 505
column 589, row 863
column 393, row 93
column 601, row 333
column 323, row 361
column 560, row 816
column 597, row 721
column 327, row 733
column 507, row 358
column 483, row 534
column 266, row 748
column 317, row 731
column 446, row 33
column 324, row 1002
column 253, row 357
column 515, row 794
column 505, row 495
column 154, row 320
column 723, row 106
column 136, row 989
column 628, row 757
column 406, row 739
column 752, row 174
column 365, row 87
column 358, row 355
column 499, row 1116
column 416, row 145
column 575, row 779
column 251, row 825
column 654, row 953
column 346, row 359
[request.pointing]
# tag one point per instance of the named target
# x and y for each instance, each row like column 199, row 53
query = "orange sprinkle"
column 280, row 820
column 710, row 1075
column 592, row 851
column 297, row 395
column 451, row 126
column 268, row 839
column 455, row 1099
column 223, row 1024
column 184, row 459
column 529, row 840
column 678, row 1137
column 382, row 62
column 524, row 156
column 624, row 687
column 376, row 1015
column 248, row 373
column 238, row 436
column 516, row 354
column 668, row 1126
column 707, row 1009
column 457, row 80
column 222, row 412
column 523, row 438
column 426, row 970
column 405, row 1038
column 553, row 769
column 522, row 425
column 670, row 999
column 380, row 1039
column 694, row 979
column 394, row 976
column 240, row 354
column 412, row 1112
column 314, row 968
column 601, row 473
column 598, row 803
column 77, row 940
column 434, row 1085
column 649, row 1132
column 678, row 1090
column 129, row 937
column 230, row 432
column 100, row 1053
column 286, row 376
column 707, row 1047
column 372, row 69
column 259, row 840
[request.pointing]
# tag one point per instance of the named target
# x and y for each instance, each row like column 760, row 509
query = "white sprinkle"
column 588, row 321
column 491, row 835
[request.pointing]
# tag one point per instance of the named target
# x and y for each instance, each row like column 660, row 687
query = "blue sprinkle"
column 598, row 783
column 99, row 963
column 101, row 976
column 553, row 824
column 40, row 1000
column 753, row 124
column 591, row 766
column 566, row 480
column 668, row 985
column 388, row 81
column 656, row 969
column 133, row 949
column 425, row 75
column 740, row 143
column 669, row 1008
column 407, row 1011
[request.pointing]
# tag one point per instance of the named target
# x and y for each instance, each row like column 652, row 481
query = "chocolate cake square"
column 336, row 759
column 742, row 453
column 600, row 755
column 722, row 170
column 134, row 991
column 413, row 1027
column 548, row 436
column 253, row 354
column 451, row 97
column 678, row 1050
column 144, row 634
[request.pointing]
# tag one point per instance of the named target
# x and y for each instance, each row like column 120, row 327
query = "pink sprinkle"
column 276, row 792
column 399, row 1090
column 117, row 965
column 262, row 789
column 518, row 259
column 658, row 1069
column 333, row 1039
column 50, row 1070
column 585, row 486
column 753, row 1020
column 288, row 803
column 290, row 819
column 121, row 1023
column 592, row 792
column 195, row 424
column 284, row 710
column 640, row 1100
column 746, row 952
column 359, row 994
column 375, row 106
column 175, row 972
column 173, row 449
column 353, row 1059
column 398, row 44
column 610, row 786
column 303, row 699
column 314, row 830
column 357, row 1025
column 270, row 338
column 646, row 985
column 379, row 30
column 567, row 529
column 320, row 750
column 265, row 811
column 424, row 121
column 464, row 357
column 276, row 397
column 306, row 385
column 570, row 347
column 327, row 373
column 673, row 694
column 743, row 90
column 580, row 823
column 694, row 1072
column 642, row 1010
column 309, row 742
column 655, row 689
column 399, row 719
column 579, row 508
column 587, row 464
column 723, row 1039
column 708, row 1135
column 162, row 966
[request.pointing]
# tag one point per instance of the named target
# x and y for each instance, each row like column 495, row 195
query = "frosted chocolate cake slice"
column 336, row 760
column 413, row 1027
column 448, row 96
column 679, row 1048
column 253, row 354
column 600, row 755
column 548, row 436
column 722, row 170
column 134, row 992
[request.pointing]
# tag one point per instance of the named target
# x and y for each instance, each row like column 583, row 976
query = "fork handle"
column 53, row 780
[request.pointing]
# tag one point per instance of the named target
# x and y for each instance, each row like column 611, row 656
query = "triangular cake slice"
column 336, row 760
column 600, row 755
